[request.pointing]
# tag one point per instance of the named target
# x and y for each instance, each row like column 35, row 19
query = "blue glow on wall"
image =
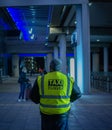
column 15, row 13
column 70, row 54
column 32, row 55
column 5, row 55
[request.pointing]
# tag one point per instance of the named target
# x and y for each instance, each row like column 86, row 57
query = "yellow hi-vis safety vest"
column 55, row 90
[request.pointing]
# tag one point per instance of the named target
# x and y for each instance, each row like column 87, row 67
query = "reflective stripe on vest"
column 63, row 104
column 55, row 106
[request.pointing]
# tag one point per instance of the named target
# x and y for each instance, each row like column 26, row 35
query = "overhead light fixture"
column 98, row 40
column 33, row 21
column 46, row 38
column 67, row 31
column 31, row 7
column 46, row 43
column 21, row 35
column 75, row 22
column 33, row 13
column 48, row 25
column 30, row 31
column 90, row 3
column 32, row 36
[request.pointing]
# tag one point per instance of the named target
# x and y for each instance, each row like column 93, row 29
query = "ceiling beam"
column 39, row 2
column 100, row 1
column 27, row 48
column 70, row 15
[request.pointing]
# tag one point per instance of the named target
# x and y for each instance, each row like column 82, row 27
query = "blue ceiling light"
column 32, row 36
column 33, row 55
column 14, row 15
column 32, row 22
column 70, row 54
column 17, row 17
column 30, row 31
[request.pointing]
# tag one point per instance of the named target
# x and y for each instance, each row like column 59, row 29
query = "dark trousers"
column 22, row 90
column 54, row 122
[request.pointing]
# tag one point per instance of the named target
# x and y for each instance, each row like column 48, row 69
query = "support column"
column 45, row 63
column 2, row 47
column 62, row 45
column 105, row 59
column 75, row 64
column 83, row 47
column 56, row 52
column 95, row 62
column 48, row 60
column 5, row 68
column 15, row 65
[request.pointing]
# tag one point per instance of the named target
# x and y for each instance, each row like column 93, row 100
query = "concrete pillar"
column 48, row 60
column 1, row 62
column 5, row 68
column 95, row 62
column 105, row 59
column 62, row 46
column 45, row 63
column 83, row 48
column 2, row 46
column 56, row 52
column 15, row 65
column 75, row 64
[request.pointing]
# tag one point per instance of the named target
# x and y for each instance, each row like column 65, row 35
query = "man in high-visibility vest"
column 54, row 91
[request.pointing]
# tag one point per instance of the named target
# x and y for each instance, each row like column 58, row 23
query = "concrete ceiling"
column 35, row 29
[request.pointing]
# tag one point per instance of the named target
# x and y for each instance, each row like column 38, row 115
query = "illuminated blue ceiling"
column 32, row 22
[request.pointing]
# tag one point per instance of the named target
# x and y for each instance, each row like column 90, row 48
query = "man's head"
column 55, row 65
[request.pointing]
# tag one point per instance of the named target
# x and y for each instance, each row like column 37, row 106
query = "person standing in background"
column 42, row 71
column 23, row 82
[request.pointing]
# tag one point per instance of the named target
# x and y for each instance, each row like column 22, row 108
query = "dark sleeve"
column 34, row 93
column 76, row 93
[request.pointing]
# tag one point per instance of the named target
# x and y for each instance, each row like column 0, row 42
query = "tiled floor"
column 90, row 112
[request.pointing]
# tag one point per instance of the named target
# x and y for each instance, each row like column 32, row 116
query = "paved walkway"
column 91, row 112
